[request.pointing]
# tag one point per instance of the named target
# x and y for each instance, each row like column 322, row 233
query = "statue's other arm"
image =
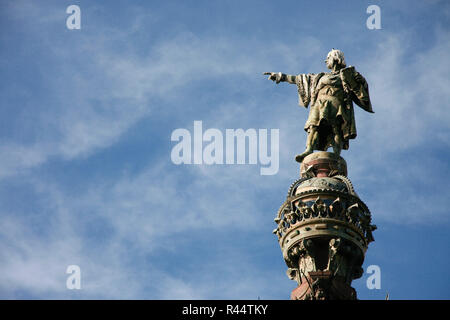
column 281, row 77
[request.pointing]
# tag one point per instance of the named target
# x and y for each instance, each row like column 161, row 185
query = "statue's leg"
column 337, row 143
column 311, row 142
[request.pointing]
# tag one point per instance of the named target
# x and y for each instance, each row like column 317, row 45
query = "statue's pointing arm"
column 304, row 84
column 281, row 77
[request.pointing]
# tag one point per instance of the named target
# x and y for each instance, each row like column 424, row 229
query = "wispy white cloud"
column 408, row 90
column 93, row 106
column 137, row 216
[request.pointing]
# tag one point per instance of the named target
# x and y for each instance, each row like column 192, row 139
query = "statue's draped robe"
column 331, row 97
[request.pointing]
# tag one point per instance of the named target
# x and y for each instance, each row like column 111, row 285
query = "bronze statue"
column 331, row 120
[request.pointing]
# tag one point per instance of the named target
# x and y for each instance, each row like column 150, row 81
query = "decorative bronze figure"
column 331, row 120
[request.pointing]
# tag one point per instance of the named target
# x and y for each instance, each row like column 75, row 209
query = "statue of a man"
column 331, row 120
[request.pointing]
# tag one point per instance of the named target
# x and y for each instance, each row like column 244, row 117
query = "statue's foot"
column 299, row 158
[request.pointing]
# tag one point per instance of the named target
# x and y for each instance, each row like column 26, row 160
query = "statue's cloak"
column 354, row 91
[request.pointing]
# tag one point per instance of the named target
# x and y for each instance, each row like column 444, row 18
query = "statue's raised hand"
column 273, row 76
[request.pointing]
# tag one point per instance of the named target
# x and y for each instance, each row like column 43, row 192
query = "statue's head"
column 335, row 58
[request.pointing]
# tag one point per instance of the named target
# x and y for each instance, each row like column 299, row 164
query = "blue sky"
column 86, row 117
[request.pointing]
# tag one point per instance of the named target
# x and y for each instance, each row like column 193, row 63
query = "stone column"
column 323, row 229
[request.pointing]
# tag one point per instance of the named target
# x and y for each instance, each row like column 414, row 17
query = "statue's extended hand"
column 273, row 76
